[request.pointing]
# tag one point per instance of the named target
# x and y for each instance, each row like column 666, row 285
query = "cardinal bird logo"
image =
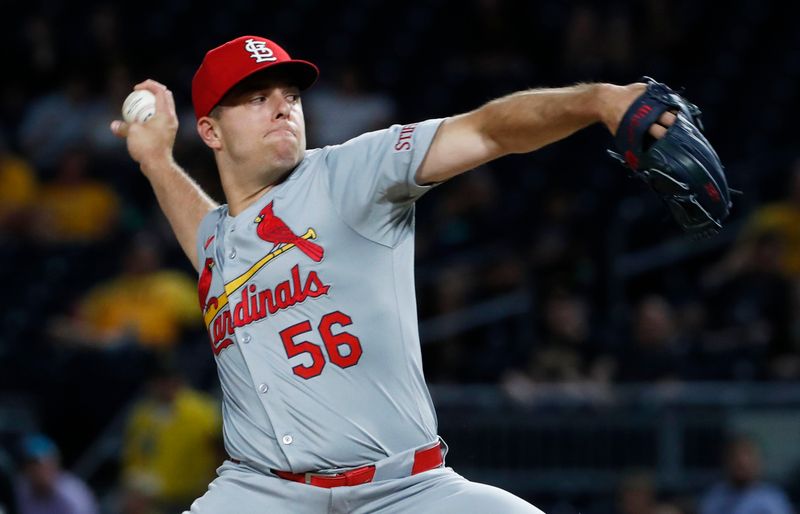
column 273, row 230
column 205, row 283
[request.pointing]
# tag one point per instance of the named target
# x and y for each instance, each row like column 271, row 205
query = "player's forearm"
column 181, row 200
column 521, row 122
column 525, row 121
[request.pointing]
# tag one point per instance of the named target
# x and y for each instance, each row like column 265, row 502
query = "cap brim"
column 303, row 74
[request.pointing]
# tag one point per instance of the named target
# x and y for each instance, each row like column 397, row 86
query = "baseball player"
column 307, row 286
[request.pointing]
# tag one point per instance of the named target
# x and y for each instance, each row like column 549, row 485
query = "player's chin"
column 288, row 154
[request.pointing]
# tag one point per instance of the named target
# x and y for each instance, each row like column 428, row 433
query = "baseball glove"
column 681, row 167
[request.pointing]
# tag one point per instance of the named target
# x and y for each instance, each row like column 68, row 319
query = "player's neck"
column 242, row 188
column 238, row 203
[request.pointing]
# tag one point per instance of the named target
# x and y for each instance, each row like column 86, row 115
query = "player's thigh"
column 443, row 491
column 239, row 490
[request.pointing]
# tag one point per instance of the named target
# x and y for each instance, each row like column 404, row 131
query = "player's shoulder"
column 370, row 138
column 376, row 148
column 359, row 149
column 395, row 139
column 310, row 158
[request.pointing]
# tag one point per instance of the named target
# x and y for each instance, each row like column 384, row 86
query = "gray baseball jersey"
column 308, row 297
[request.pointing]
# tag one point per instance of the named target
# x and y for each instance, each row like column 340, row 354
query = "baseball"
column 139, row 106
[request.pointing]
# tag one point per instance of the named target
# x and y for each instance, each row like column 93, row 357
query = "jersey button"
column 263, row 388
column 246, row 338
column 232, row 254
column 287, row 439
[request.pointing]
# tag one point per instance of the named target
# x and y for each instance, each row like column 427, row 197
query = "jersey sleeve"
column 372, row 182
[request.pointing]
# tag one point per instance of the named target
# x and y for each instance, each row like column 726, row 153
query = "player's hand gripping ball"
column 139, row 106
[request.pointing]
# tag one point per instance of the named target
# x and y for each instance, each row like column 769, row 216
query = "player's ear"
column 208, row 129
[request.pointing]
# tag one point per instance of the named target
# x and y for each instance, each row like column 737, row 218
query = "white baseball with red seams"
column 139, row 106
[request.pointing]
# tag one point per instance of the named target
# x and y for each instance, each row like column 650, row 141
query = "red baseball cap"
column 225, row 66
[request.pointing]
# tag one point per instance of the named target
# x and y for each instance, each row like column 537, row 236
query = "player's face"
column 262, row 124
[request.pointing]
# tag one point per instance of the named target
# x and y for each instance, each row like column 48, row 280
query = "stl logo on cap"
column 259, row 50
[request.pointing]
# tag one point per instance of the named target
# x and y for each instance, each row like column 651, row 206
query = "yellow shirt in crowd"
column 783, row 220
column 80, row 212
column 155, row 306
column 18, row 185
column 177, row 447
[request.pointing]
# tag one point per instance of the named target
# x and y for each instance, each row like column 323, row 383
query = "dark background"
column 485, row 235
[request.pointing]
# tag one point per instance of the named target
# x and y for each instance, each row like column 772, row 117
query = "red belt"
column 424, row 460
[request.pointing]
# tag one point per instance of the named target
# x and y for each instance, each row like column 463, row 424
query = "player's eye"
column 258, row 99
column 293, row 98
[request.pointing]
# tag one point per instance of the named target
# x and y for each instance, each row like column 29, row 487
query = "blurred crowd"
column 99, row 315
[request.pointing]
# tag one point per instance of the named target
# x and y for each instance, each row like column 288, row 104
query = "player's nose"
column 283, row 107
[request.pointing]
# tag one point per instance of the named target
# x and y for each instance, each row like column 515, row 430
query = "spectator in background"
column 781, row 218
column 658, row 350
column 466, row 216
column 558, row 251
column 137, row 495
column 57, row 121
column 742, row 491
column 346, row 110
column 755, row 329
column 750, row 305
column 173, row 440
column 636, row 494
column 567, row 352
column 18, row 188
column 118, row 85
column 144, row 304
column 44, row 488
column 74, row 208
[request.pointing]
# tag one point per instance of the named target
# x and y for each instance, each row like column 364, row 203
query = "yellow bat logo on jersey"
column 256, row 305
column 233, row 285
